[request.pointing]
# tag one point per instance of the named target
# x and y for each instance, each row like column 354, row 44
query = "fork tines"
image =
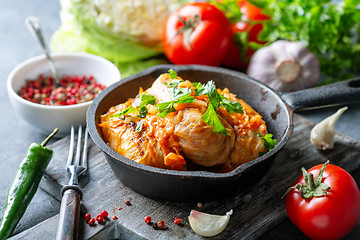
column 78, row 162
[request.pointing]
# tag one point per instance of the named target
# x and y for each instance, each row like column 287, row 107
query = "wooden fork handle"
column 68, row 227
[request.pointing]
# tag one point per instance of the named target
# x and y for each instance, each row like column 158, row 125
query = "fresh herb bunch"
column 330, row 29
column 230, row 8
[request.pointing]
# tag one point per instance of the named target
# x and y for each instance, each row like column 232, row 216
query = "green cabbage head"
column 127, row 32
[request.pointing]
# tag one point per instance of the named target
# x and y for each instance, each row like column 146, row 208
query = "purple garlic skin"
column 285, row 66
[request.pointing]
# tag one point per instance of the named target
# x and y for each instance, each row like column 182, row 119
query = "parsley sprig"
column 139, row 125
column 140, row 103
column 183, row 95
column 215, row 101
column 128, row 110
column 172, row 73
column 146, row 99
column 168, row 107
column 173, row 83
column 178, row 95
column 269, row 142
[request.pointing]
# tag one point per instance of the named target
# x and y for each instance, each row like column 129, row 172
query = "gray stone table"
column 17, row 45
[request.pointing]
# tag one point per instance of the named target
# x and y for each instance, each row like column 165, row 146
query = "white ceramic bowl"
column 47, row 118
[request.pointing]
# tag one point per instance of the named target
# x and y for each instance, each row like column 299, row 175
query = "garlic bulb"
column 208, row 225
column 322, row 134
column 285, row 66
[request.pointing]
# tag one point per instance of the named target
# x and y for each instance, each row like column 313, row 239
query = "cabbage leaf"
column 127, row 33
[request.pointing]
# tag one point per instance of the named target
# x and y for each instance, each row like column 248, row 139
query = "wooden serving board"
column 255, row 210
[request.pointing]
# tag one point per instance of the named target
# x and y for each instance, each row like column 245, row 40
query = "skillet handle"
column 342, row 92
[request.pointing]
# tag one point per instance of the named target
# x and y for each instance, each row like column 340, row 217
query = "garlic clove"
column 322, row 134
column 208, row 225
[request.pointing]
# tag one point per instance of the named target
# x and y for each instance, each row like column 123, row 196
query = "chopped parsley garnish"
column 183, row 95
column 140, row 103
column 179, row 92
column 139, row 125
column 211, row 118
column 198, row 88
column 147, row 99
column 178, row 95
column 173, row 83
column 230, row 106
column 215, row 101
column 269, row 142
column 128, row 110
column 168, row 107
column 172, row 73
column 142, row 112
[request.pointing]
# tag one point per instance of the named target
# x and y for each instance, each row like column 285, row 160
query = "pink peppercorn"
column 73, row 90
column 87, row 217
column 147, row 219
column 177, row 220
column 91, row 221
column 105, row 214
column 100, row 218
column 161, row 224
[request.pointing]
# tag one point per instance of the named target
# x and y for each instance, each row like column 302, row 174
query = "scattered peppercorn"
column 147, row 219
column 199, row 204
column 87, row 217
column 105, row 214
column 91, row 221
column 100, row 218
column 127, row 202
column 177, row 220
column 73, row 90
column 161, row 224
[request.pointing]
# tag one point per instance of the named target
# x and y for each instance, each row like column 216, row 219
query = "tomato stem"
column 311, row 182
column 188, row 28
column 311, row 188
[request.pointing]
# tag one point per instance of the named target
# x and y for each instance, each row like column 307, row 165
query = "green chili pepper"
column 24, row 185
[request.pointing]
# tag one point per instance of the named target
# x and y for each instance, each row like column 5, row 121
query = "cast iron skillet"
column 276, row 109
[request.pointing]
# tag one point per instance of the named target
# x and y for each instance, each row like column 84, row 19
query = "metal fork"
column 71, row 194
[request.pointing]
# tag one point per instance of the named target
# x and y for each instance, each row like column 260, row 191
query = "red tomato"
column 209, row 35
column 252, row 18
column 331, row 216
column 251, row 12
